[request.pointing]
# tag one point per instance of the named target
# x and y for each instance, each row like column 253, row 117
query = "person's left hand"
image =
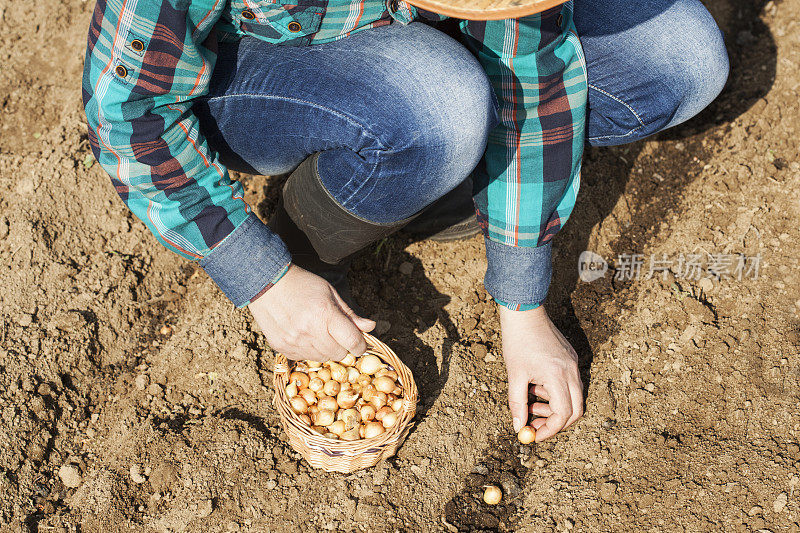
column 537, row 353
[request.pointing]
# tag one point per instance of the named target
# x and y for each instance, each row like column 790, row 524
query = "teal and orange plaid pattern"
column 146, row 62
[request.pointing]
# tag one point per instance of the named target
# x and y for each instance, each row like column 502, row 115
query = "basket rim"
column 335, row 448
column 485, row 13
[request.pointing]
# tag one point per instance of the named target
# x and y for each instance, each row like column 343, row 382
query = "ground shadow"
column 651, row 196
column 411, row 305
column 654, row 194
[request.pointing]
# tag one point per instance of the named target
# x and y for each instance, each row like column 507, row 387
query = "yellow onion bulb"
column 316, row 384
column 378, row 400
column 386, row 372
column 369, row 364
column 373, row 429
column 492, row 495
column 299, row 405
column 384, row 384
column 325, row 417
column 382, row 412
column 346, row 399
column 353, row 434
column 389, row 420
column 328, row 402
column 301, row 379
column 368, row 413
column 338, row 372
column 309, row 396
column 337, row 427
column 368, row 393
column 331, row 388
column 351, row 418
column 526, row 435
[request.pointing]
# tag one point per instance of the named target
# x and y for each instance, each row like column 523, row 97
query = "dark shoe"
column 333, row 232
column 321, row 235
column 450, row 218
column 304, row 255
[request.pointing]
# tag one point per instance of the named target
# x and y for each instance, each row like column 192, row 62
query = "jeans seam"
column 617, row 99
column 631, row 132
column 347, row 118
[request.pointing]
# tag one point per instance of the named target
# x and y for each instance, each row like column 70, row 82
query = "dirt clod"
column 70, row 476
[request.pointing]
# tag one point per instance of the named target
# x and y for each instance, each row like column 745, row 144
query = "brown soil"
column 693, row 385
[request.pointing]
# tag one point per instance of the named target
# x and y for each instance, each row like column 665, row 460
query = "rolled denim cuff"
column 517, row 277
column 248, row 261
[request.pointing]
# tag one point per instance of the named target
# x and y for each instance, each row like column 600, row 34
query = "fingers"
column 342, row 330
column 541, row 409
column 541, row 392
column 518, row 400
column 576, row 395
column 330, row 349
column 561, row 405
column 364, row 324
column 538, row 423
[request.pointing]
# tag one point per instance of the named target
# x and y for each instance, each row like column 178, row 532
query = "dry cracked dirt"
column 125, row 368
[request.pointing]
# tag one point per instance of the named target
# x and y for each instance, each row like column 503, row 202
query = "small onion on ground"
column 526, row 435
column 492, row 494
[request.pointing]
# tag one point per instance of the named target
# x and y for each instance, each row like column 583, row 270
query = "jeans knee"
column 427, row 127
column 448, row 130
column 672, row 80
column 696, row 69
column 701, row 81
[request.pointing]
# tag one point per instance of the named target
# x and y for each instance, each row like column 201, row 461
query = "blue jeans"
column 382, row 105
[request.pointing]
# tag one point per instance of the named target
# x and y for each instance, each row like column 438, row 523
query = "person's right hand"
column 303, row 317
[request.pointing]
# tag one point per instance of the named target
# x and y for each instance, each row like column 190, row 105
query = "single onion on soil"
column 492, row 494
column 526, row 435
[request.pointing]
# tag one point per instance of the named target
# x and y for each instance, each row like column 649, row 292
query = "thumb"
column 364, row 324
column 518, row 400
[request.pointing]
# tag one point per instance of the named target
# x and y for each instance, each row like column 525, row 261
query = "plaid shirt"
column 147, row 60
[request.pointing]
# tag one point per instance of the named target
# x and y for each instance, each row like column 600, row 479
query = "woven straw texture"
column 486, row 9
column 343, row 456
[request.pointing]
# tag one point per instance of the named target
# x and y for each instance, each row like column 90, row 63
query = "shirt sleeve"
column 527, row 182
column 145, row 63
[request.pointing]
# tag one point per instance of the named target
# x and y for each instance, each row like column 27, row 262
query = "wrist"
column 513, row 321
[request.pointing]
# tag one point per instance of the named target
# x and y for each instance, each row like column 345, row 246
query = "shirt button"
column 121, row 71
column 247, row 14
column 137, row 45
column 294, row 26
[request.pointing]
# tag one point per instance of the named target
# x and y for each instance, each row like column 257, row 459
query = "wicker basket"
column 486, row 9
column 346, row 456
